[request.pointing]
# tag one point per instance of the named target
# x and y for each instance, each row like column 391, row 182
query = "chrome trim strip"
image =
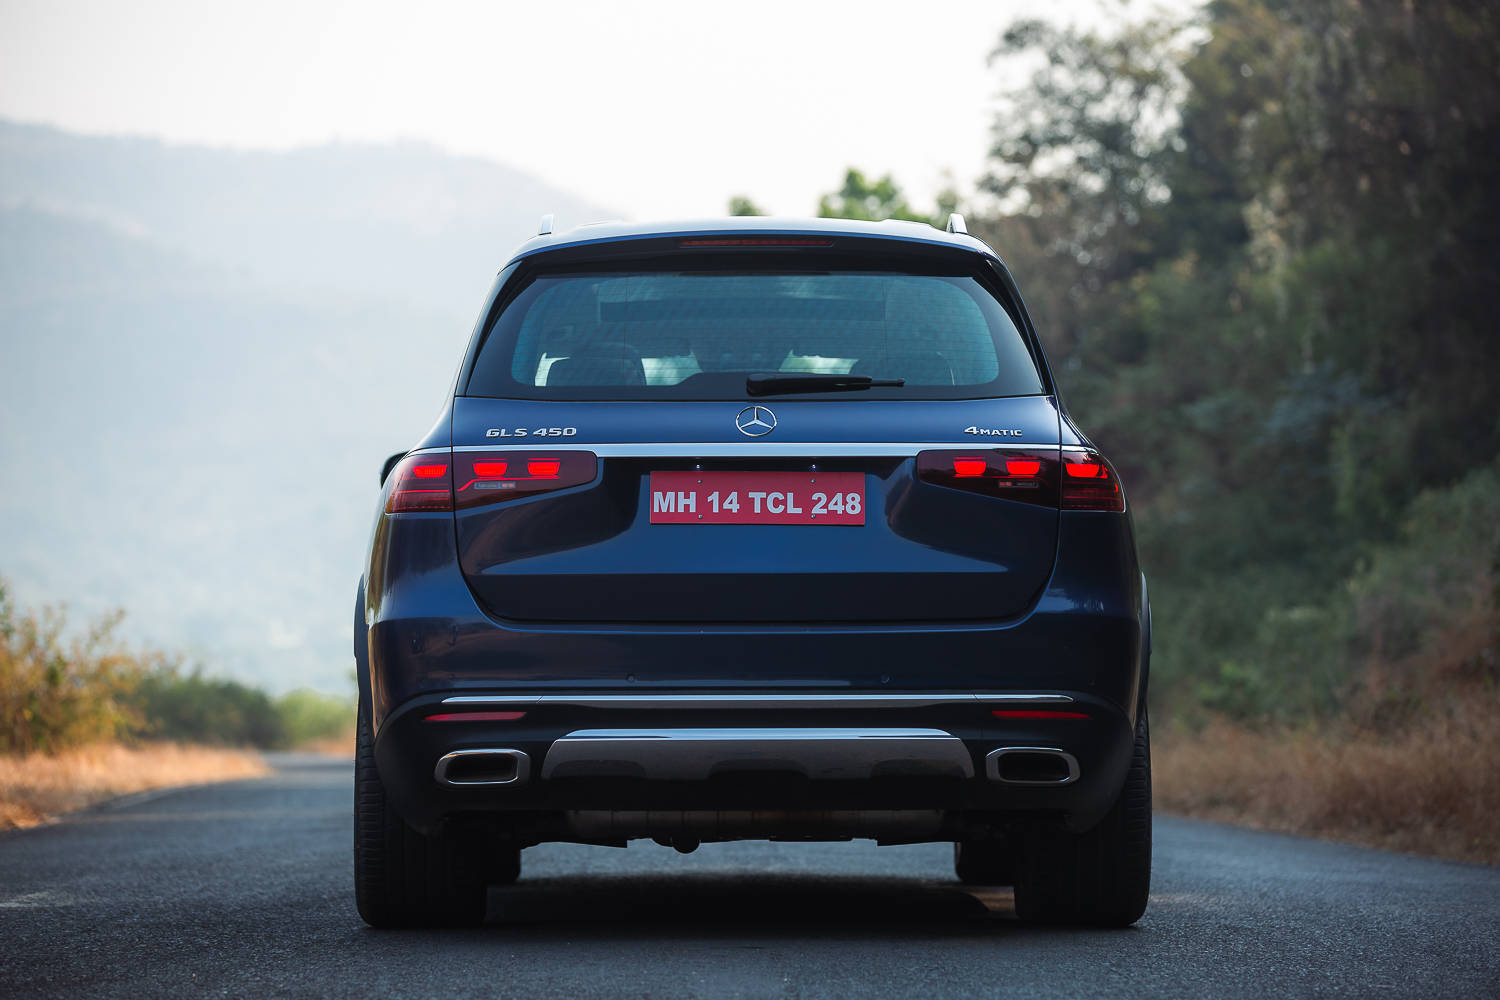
column 522, row 765
column 992, row 765
column 757, row 734
column 700, row 754
column 755, row 824
column 691, row 701
column 759, row 448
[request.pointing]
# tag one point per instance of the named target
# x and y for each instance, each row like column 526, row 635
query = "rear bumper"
column 420, row 633
column 647, row 764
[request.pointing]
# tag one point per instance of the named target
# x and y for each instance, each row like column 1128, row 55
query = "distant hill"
column 204, row 356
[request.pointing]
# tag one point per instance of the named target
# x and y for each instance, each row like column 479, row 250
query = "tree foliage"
column 62, row 688
column 1261, row 247
column 58, row 690
column 880, row 199
column 741, row 205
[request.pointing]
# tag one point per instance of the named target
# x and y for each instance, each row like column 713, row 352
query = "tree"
column 1261, row 248
column 741, row 205
column 860, row 198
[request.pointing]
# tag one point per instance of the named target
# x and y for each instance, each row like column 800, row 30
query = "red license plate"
column 757, row 498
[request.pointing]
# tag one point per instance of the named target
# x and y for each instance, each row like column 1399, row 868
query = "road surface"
column 244, row 889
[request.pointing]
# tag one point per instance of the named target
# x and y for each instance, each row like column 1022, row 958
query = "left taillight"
column 421, row 484
column 496, row 476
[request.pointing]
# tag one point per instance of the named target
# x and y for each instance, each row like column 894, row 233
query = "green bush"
column 1274, row 642
column 60, row 690
column 307, row 716
column 198, row 709
column 57, row 692
column 1440, row 576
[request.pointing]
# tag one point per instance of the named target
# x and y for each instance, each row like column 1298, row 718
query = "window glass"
column 687, row 334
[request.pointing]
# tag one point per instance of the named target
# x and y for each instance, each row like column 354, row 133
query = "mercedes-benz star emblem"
column 755, row 421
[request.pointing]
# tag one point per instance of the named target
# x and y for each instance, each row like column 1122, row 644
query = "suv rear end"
column 753, row 530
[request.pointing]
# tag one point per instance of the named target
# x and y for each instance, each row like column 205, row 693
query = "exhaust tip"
column 482, row 767
column 1032, row 766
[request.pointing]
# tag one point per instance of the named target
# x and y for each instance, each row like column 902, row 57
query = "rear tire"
column 1101, row 877
column 502, row 864
column 404, row 878
column 984, row 862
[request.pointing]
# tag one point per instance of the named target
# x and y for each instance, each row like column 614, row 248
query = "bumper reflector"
column 475, row 717
column 1035, row 713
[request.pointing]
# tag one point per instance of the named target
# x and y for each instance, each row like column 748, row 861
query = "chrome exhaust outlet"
column 482, row 767
column 1032, row 766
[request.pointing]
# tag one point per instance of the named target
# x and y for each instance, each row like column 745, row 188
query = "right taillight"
column 1072, row 480
column 1090, row 483
column 1030, row 477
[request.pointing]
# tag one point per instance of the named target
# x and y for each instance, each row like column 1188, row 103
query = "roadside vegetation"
column 1260, row 248
column 36, row 788
column 85, row 716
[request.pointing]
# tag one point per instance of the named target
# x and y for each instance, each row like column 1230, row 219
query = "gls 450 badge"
column 536, row 432
column 993, row 431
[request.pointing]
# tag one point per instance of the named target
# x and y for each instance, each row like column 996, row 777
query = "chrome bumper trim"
column 758, row 448
column 699, row 754
column 690, row 701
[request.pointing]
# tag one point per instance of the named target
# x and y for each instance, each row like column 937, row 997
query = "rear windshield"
column 696, row 335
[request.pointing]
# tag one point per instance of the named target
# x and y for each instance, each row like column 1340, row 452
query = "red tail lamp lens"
column 1022, row 467
column 1027, row 475
column 475, row 717
column 1035, row 713
column 1074, row 480
column 499, row 476
column 420, row 485
column 756, row 241
column 1089, row 483
column 967, row 467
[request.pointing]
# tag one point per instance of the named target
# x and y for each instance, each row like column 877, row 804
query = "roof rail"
column 956, row 223
column 546, row 226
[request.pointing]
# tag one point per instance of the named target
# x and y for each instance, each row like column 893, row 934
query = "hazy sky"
column 661, row 109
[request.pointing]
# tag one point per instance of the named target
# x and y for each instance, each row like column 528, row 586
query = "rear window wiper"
column 767, row 384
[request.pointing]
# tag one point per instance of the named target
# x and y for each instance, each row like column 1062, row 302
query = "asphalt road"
column 244, row 890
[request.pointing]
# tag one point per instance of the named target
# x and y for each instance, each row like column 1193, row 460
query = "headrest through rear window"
column 599, row 364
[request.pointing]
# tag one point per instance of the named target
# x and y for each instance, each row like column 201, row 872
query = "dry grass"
column 38, row 787
column 331, row 746
column 1431, row 787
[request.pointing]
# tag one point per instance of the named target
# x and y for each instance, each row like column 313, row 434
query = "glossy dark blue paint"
column 894, row 230
column 943, row 591
column 427, row 633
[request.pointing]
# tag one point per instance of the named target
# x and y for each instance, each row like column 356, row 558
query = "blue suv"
column 753, row 529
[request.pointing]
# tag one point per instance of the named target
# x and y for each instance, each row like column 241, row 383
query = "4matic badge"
column 993, row 431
